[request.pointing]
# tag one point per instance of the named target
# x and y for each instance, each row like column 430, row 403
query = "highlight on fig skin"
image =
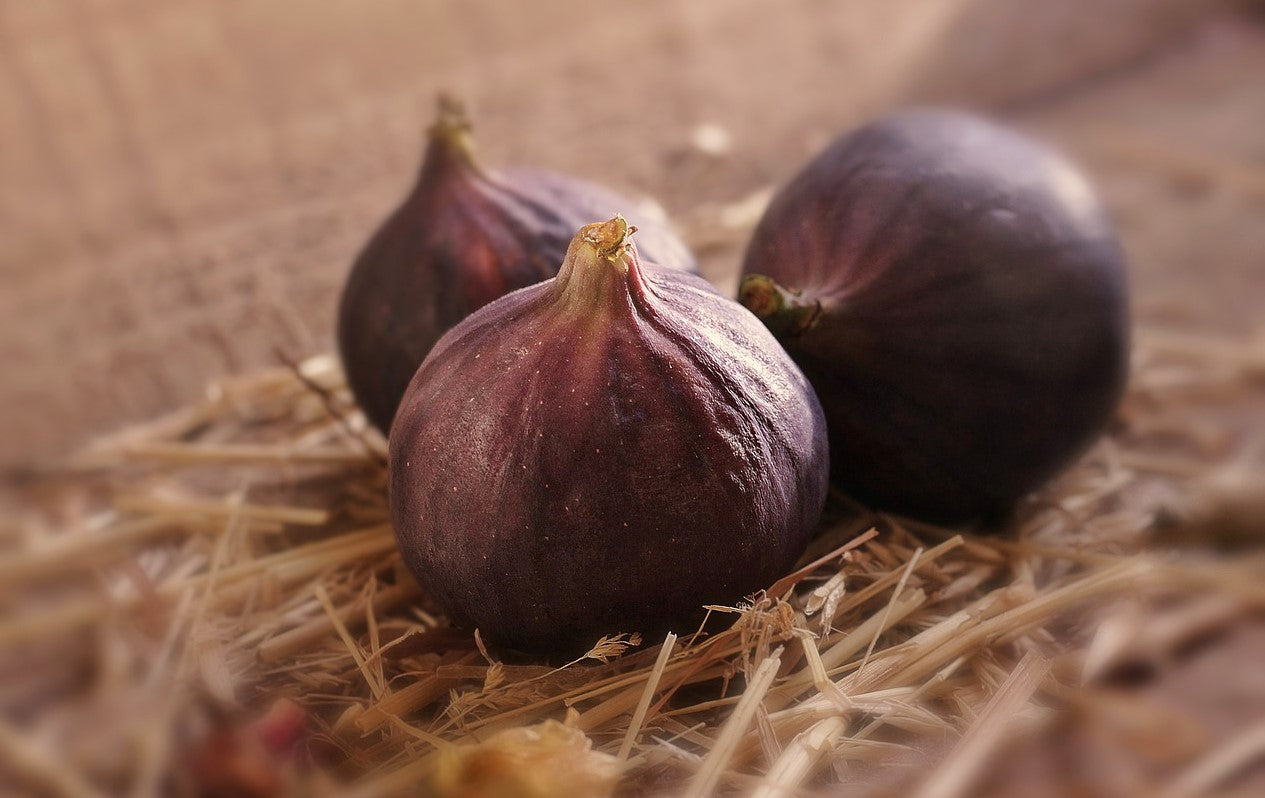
column 957, row 296
column 464, row 236
column 604, row 452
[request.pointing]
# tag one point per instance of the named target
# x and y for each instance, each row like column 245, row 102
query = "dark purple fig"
column 604, row 452
column 463, row 237
column 957, row 296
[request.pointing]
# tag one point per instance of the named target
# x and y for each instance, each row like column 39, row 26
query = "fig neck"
column 786, row 313
column 601, row 269
column 451, row 149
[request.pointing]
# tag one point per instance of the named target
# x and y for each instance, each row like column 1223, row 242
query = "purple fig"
column 463, row 237
column 604, row 452
column 957, row 296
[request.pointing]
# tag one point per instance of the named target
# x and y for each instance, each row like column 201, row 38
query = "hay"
column 238, row 554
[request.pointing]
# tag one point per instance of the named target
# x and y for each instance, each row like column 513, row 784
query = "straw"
column 237, row 551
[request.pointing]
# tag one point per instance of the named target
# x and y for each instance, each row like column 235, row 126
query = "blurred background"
column 184, row 183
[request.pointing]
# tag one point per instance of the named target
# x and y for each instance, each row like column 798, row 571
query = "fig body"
column 463, row 237
column 604, row 452
column 957, row 296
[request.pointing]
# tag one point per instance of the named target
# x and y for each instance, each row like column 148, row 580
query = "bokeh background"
column 183, row 183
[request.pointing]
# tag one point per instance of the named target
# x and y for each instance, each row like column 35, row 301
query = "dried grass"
column 243, row 555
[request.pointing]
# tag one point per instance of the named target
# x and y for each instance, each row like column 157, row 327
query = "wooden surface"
column 185, row 183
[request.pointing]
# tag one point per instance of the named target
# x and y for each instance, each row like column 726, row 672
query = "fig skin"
column 956, row 295
column 604, row 452
column 463, row 237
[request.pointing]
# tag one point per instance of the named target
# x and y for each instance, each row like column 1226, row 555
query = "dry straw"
column 186, row 574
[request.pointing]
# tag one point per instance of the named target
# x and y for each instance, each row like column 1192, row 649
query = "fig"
column 462, row 237
column 956, row 294
column 604, row 452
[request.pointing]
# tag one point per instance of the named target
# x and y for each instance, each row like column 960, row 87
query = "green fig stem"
column 451, row 139
column 786, row 313
column 599, row 263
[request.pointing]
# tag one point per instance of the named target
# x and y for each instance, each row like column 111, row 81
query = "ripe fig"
column 463, row 237
column 604, row 452
column 956, row 295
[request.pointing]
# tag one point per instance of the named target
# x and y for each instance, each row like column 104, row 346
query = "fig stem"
column 786, row 313
column 450, row 133
column 601, row 264
column 610, row 237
